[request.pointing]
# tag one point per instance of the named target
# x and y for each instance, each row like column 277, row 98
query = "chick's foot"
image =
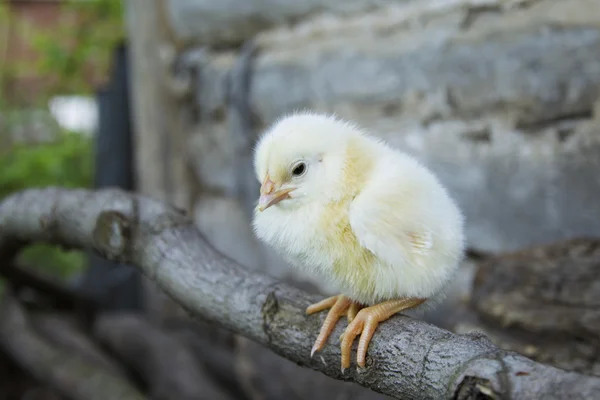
column 353, row 309
column 338, row 306
column 365, row 323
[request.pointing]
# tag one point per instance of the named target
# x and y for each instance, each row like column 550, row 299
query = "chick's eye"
column 299, row 169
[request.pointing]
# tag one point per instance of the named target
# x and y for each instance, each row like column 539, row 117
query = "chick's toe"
column 354, row 308
column 321, row 305
column 338, row 306
column 365, row 323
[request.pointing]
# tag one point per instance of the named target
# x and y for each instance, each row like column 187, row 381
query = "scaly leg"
column 322, row 305
column 365, row 323
column 338, row 305
column 353, row 310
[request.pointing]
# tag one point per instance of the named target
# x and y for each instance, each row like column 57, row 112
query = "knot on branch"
column 474, row 388
column 49, row 222
column 112, row 235
column 268, row 311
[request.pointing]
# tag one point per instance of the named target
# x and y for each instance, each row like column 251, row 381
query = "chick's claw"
column 365, row 323
column 338, row 307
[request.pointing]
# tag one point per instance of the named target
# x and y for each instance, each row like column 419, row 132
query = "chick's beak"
column 269, row 196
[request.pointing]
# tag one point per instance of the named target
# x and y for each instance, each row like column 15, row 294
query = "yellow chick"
column 346, row 206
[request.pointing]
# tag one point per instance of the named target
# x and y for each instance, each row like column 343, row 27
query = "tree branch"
column 407, row 358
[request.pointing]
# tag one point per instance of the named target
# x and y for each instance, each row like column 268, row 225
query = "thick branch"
column 407, row 358
column 72, row 375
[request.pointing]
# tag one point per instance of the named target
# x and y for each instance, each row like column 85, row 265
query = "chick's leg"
column 365, row 323
column 353, row 310
column 338, row 305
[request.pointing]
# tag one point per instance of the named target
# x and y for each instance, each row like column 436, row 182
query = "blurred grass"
column 66, row 161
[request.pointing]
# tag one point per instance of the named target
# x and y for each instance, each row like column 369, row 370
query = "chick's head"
column 301, row 159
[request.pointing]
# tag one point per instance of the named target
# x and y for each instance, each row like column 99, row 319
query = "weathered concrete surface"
column 229, row 22
column 500, row 103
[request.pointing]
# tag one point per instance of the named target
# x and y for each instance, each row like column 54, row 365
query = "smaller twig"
column 165, row 363
column 63, row 331
column 214, row 347
column 62, row 296
column 69, row 373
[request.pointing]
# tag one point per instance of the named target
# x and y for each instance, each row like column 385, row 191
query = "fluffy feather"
column 368, row 217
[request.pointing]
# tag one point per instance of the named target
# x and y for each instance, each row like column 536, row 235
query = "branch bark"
column 407, row 358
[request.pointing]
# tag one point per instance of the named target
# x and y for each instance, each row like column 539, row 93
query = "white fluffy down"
column 400, row 200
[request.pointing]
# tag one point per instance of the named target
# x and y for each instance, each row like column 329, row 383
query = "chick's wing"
column 391, row 221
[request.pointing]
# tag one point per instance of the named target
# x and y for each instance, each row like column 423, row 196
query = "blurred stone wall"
column 498, row 97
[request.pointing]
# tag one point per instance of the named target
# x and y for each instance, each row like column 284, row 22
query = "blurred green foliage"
column 78, row 53
column 74, row 57
column 66, row 161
